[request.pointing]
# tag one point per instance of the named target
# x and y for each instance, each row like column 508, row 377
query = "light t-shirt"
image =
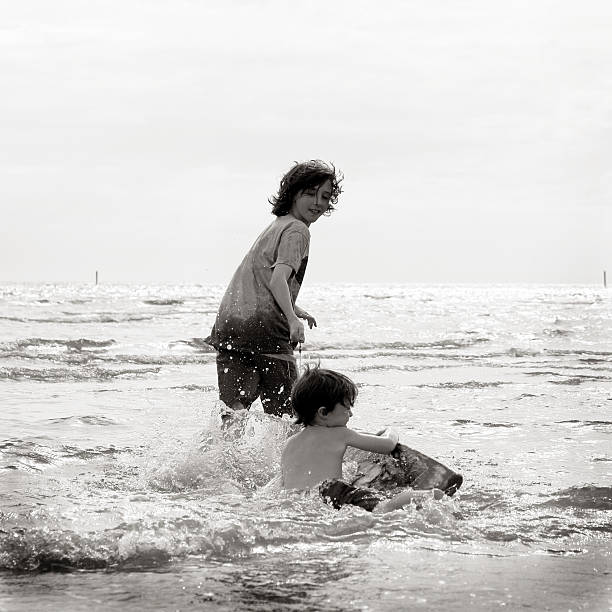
column 249, row 319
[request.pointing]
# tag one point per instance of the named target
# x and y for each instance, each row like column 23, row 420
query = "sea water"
column 119, row 491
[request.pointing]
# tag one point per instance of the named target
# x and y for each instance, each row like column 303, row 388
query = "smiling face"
column 310, row 203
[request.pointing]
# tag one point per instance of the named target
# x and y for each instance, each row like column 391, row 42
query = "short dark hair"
column 318, row 388
column 306, row 175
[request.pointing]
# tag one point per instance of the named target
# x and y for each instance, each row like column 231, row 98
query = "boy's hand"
column 296, row 330
column 312, row 322
column 389, row 433
column 302, row 314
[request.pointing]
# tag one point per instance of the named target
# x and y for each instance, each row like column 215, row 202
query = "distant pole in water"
column 97, row 276
column 605, row 283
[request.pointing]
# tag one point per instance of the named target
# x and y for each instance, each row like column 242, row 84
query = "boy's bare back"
column 316, row 453
column 313, row 455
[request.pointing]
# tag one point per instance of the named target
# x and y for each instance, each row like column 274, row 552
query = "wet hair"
column 306, row 175
column 318, row 388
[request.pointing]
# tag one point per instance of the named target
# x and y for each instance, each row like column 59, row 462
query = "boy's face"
column 310, row 204
column 339, row 416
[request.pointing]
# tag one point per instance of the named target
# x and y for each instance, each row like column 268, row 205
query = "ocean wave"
column 579, row 352
column 195, row 343
column 402, row 349
column 142, row 544
column 503, row 535
column 596, row 424
column 26, row 455
column 85, row 454
column 488, row 424
column 579, row 379
column 72, row 375
column 222, row 527
column 557, row 332
column 579, row 302
column 447, row 343
column 593, row 360
column 442, row 349
column 64, row 358
column 393, row 366
column 206, row 388
column 77, row 345
column 577, row 511
column 30, row 456
column 44, row 549
column 75, row 319
column 568, row 379
column 585, row 498
column 163, row 359
column 59, row 352
column 94, row 419
column 470, row 384
column 84, row 352
column 164, row 302
column 85, row 343
column 565, row 552
column 517, row 352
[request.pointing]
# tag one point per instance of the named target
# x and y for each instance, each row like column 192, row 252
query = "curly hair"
column 318, row 388
column 306, row 175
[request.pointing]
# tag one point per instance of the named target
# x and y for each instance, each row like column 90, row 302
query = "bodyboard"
column 404, row 467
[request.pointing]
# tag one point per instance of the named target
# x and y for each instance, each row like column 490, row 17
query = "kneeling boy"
column 322, row 400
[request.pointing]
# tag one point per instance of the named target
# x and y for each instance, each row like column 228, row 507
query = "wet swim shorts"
column 338, row 494
column 244, row 377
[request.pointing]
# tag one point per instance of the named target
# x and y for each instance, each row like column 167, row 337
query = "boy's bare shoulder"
column 292, row 440
column 314, row 432
column 334, row 432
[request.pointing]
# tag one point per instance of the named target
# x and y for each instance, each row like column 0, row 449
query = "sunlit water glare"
column 119, row 491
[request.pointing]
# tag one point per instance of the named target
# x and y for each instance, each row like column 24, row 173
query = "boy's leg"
column 238, row 379
column 407, row 497
column 277, row 376
column 339, row 493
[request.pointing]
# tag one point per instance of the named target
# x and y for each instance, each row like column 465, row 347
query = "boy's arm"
column 407, row 497
column 302, row 314
column 377, row 444
column 389, row 433
column 280, row 291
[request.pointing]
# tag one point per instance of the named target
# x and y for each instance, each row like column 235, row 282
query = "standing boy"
column 258, row 324
column 322, row 400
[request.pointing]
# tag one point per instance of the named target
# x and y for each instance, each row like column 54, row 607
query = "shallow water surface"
column 119, row 490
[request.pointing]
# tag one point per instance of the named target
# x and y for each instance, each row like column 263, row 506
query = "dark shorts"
column 338, row 494
column 244, row 377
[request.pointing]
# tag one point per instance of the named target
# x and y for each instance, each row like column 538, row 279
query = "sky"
column 143, row 138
